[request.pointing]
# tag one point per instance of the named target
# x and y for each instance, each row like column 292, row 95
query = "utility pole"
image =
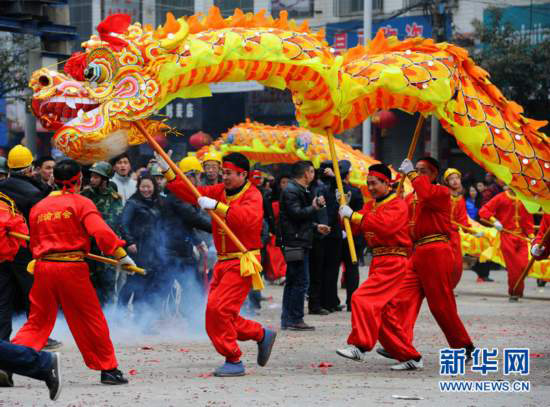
column 439, row 35
column 367, row 30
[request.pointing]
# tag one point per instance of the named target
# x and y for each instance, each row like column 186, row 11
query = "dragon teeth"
column 71, row 103
column 80, row 114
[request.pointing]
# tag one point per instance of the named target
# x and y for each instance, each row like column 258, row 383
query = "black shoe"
column 385, row 353
column 513, row 298
column 52, row 344
column 300, row 326
column 113, row 376
column 53, row 381
column 5, row 379
column 488, row 279
column 337, row 308
column 541, row 283
column 319, row 311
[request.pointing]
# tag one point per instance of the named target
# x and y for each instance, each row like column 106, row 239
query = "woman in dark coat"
column 141, row 226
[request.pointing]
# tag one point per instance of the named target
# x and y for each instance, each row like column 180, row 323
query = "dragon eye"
column 96, row 73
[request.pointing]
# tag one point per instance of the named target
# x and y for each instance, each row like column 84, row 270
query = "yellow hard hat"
column 212, row 156
column 451, row 171
column 190, row 163
column 19, row 157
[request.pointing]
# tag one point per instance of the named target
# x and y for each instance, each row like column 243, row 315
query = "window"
column 295, row 8
column 349, row 7
column 178, row 8
column 410, row 3
column 228, row 7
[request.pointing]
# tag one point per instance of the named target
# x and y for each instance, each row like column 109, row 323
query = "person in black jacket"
column 141, row 227
column 176, row 243
column 15, row 281
column 297, row 225
column 332, row 244
column 317, row 253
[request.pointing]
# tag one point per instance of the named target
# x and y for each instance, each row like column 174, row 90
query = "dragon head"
column 113, row 83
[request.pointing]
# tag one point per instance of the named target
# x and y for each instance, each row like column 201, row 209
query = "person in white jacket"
column 126, row 186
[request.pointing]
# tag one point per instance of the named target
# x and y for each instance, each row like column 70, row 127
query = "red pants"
column 430, row 277
column 457, row 253
column 68, row 285
column 516, row 256
column 224, row 325
column 371, row 302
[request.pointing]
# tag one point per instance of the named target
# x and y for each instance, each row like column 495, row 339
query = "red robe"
column 385, row 227
column 60, row 223
column 228, row 289
column 10, row 222
column 275, row 265
column 509, row 211
column 460, row 216
column 544, row 225
column 430, row 271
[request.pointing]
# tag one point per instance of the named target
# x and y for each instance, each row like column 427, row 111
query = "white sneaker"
column 352, row 353
column 409, row 365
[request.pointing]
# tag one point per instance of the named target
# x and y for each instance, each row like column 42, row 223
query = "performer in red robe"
column 240, row 204
column 431, row 266
column 61, row 226
column 10, row 221
column 541, row 249
column 276, row 261
column 384, row 223
column 459, row 216
column 507, row 213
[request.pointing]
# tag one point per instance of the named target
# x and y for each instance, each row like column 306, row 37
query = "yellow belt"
column 390, row 251
column 64, row 256
column 431, row 239
column 250, row 266
column 73, row 256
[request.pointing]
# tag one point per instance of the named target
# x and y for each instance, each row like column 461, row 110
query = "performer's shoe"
column 409, row 365
column 488, row 280
column 113, row 376
column 53, row 344
column 300, row 326
column 383, row 352
column 5, row 379
column 53, row 381
column 513, row 298
column 265, row 346
column 353, row 353
column 318, row 311
column 229, row 369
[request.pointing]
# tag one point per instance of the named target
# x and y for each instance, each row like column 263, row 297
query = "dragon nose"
column 44, row 80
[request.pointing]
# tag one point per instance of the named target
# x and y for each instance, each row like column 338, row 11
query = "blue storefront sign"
column 348, row 34
column 529, row 22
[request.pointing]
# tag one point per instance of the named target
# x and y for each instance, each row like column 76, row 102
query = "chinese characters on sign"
column 514, row 361
column 130, row 7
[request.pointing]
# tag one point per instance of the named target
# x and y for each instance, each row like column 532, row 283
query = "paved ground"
column 175, row 372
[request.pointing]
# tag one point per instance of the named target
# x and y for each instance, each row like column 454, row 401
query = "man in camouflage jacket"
column 104, row 195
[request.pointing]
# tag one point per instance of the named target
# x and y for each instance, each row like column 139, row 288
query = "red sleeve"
column 461, row 214
column 94, row 224
column 544, row 225
column 388, row 220
column 487, row 211
column 179, row 188
column 527, row 223
column 246, row 211
column 432, row 195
